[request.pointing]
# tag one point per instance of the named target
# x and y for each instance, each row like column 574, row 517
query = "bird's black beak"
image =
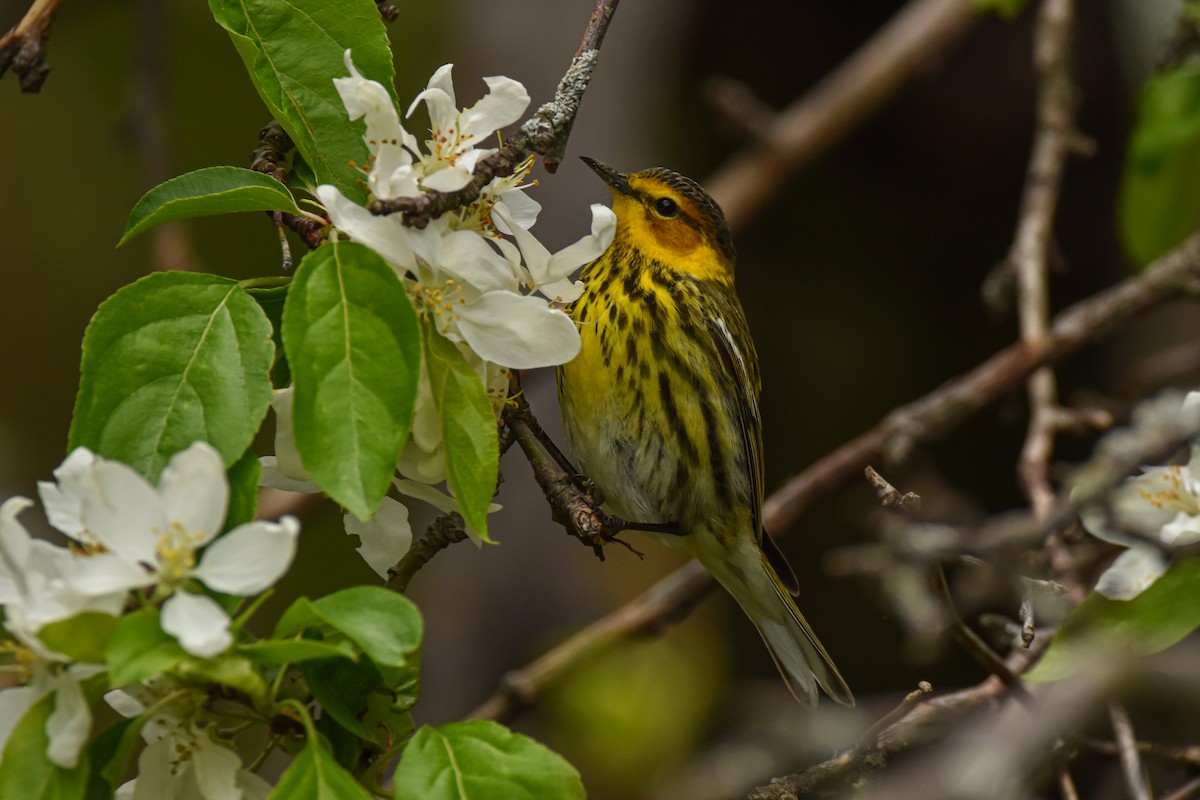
column 616, row 180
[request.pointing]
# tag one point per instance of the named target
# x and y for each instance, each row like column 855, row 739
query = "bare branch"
column 915, row 36
column 1030, row 250
column 445, row 530
column 1131, row 763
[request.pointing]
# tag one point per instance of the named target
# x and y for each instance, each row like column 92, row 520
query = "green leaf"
column 25, row 770
column 294, row 651
column 1149, row 623
column 139, row 648
column 243, row 490
column 385, row 624
column 272, row 299
column 171, row 359
column 314, row 775
column 235, row 671
column 1159, row 200
column 84, row 637
column 113, row 749
column 354, row 348
column 482, row 760
column 298, row 616
column 468, row 429
column 212, row 190
column 293, row 51
column 342, row 688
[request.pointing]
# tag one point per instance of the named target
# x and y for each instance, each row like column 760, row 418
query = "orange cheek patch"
column 674, row 234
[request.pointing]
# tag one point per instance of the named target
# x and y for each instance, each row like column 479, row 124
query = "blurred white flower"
column 34, row 593
column 151, row 537
column 184, row 758
column 1161, row 505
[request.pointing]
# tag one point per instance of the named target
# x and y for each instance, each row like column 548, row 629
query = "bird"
column 661, row 406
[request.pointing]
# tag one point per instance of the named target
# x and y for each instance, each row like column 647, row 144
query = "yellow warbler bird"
column 661, row 405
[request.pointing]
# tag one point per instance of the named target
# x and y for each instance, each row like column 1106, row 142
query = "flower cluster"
column 477, row 273
column 132, row 545
column 1149, row 514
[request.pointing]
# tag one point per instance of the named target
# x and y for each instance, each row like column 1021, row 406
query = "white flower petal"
column 521, row 209
column 103, row 573
column 272, row 477
column 448, row 179
column 469, row 258
column 15, row 547
column 503, row 105
column 160, row 777
column 1132, row 573
column 125, row 702
column 385, row 235
column 367, row 98
column 63, row 501
column 385, row 538
column 587, row 249
column 216, row 767
column 438, row 96
column 194, row 491
column 426, row 493
column 285, row 442
column 200, row 625
column 124, row 512
column 519, row 332
column 250, row 557
column 69, row 724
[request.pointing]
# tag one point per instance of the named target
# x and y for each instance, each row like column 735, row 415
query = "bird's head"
column 670, row 219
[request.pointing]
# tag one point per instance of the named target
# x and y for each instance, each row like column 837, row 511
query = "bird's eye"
column 666, row 207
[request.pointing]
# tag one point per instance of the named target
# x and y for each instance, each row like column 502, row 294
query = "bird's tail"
column 798, row 654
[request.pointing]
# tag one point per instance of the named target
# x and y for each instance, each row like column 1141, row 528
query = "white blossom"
column 184, row 757
column 151, row 537
column 1149, row 513
column 33, row 593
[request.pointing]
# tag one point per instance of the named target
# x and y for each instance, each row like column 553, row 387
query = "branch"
column 918, row 34
column 445, row 530
column 1029, row 254
column 24, row 47
column 921, row 720
column 545, row 133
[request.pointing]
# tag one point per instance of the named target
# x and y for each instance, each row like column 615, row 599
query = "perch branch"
column 545, row 133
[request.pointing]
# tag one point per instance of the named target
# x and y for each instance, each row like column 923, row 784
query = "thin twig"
column 929, row 719
column 917, row 696
column 445, row 530
column 1186, row 792
column 1066, row 785
column 1030, row 252
column 969, row 640
column 1131, row 763
column 649, row 612
column 545, row 133
column 24, row 47
column 911, row 39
